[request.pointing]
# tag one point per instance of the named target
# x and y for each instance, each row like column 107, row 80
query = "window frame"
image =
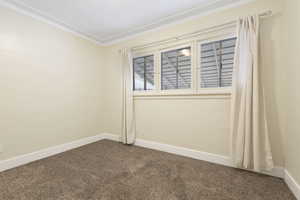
column 215, row 90
column 196, row 89
column 176, row 91
column 139, row 55
column 145, row 82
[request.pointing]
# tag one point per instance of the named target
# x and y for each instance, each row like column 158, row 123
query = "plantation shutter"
column 176, row 69
column 217, row 63
column 143, row 77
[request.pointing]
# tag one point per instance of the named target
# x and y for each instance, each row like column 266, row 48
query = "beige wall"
column 50, row 83
column 292, row 67
column 201, row 124
column 56, row 87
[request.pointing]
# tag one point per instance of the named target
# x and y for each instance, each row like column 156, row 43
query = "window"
column 143, row 76
column 176, row 69
column 216, row 63
column 197, row 67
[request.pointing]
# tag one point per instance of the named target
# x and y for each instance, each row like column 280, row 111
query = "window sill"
column 224, row 93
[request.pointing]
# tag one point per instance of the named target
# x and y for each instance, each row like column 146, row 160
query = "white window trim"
column 217, row 90
column 195, row 89
column 143, row 54
column 176, row 91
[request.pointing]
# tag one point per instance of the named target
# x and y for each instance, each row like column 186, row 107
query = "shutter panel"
column 217, row 63
column 176, row 69
column 143, row 76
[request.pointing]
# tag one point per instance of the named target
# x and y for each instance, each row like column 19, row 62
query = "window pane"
column 176, row 69
column 217, row 63
column 143, row 76
column 149, row 72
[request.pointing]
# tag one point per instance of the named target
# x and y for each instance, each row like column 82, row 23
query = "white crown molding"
column 35, row 14
column 179, row 17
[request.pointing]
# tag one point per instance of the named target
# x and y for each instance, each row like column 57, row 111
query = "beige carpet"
column 108, row 170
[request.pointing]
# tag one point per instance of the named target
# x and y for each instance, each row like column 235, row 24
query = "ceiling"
column 109, row 21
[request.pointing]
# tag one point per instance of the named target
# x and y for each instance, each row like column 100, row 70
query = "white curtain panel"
column 128, row 114
column 250, row 145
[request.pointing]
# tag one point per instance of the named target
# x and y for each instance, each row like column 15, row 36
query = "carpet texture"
column 108, row 170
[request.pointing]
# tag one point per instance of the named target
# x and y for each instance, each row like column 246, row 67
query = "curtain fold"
column 250, row 145
column 128, row 114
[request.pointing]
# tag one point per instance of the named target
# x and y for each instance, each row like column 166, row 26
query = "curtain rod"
column 197, row 33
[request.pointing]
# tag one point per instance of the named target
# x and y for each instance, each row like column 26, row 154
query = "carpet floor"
column 108, row 170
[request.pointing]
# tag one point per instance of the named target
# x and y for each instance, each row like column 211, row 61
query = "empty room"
column 149, row 100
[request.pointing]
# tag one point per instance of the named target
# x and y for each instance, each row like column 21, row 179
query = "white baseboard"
column 276, row 171
column 30, row 157
column 209, row 157
column 199, row 155
column 112, row 137
column 213, row 158
column 292, row 183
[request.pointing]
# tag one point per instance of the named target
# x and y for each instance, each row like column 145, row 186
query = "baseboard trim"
column 199, row 155
column 276, row 172
column 209, row 157
column 213, row 158
column 44, row 153
column 292, row 183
